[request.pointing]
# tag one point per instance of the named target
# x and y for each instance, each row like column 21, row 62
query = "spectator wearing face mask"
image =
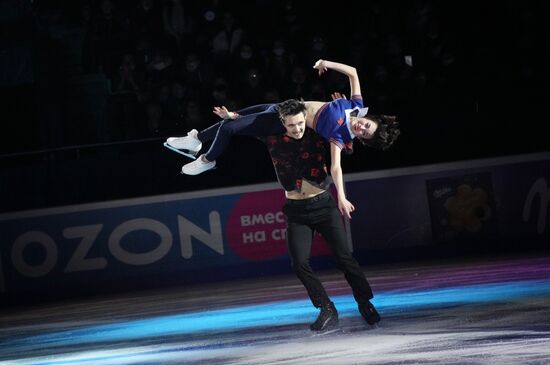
column 194, row 75
column 226, row 41
column 298, row 82
column 245, row 59
column 105, row 36
column 252, row 86
column 318, row 48
column 220, row 92
column 278, row 66
column 178, row 25
column 153, row 120
column 146, row 20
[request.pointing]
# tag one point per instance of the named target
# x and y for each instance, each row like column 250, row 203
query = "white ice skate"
column 198, row 166
column 188, row 146
column 190, row 155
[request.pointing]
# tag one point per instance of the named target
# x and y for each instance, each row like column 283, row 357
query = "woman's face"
column 363, row 127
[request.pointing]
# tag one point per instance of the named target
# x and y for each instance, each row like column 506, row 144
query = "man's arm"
column 345, row 207
column 349, row 71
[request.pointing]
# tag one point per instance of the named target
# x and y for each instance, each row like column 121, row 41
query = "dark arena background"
column 109, row 255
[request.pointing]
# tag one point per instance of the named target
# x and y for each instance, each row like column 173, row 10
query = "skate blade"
column 189, row 155
column 328, row 331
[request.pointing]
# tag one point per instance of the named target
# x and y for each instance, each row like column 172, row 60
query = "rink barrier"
column 234, row 233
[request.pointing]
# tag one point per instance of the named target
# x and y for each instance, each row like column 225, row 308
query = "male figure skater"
column 299, row 160
column 340, row 122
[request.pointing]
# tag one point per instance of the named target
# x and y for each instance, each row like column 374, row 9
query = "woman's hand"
column 336, row 95
column 223, row 113
column 320, row 65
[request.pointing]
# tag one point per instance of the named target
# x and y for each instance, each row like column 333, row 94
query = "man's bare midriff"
column 307, row 191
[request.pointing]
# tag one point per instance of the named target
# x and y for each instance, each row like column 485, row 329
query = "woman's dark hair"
column 386, row 133
column 291, row 107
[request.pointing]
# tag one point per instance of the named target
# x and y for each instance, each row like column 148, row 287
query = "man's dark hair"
column 386, row 133
column 291, row 107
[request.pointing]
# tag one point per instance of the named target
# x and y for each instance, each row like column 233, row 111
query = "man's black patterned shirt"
column 295, row 160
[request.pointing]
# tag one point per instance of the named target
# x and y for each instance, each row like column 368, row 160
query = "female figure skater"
column 338, row 121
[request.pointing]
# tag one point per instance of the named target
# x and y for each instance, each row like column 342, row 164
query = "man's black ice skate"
column 369, row 313
column 328, row 318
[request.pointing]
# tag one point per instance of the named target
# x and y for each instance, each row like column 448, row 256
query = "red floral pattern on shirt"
column 295, row 160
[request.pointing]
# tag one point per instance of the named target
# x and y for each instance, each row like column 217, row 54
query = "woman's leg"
column 209, row 133
column 263, row 123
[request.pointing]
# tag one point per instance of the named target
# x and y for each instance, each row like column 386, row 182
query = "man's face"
column 295, row 125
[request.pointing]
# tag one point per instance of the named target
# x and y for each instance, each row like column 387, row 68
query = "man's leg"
column 299, row 238
column 333, row 231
